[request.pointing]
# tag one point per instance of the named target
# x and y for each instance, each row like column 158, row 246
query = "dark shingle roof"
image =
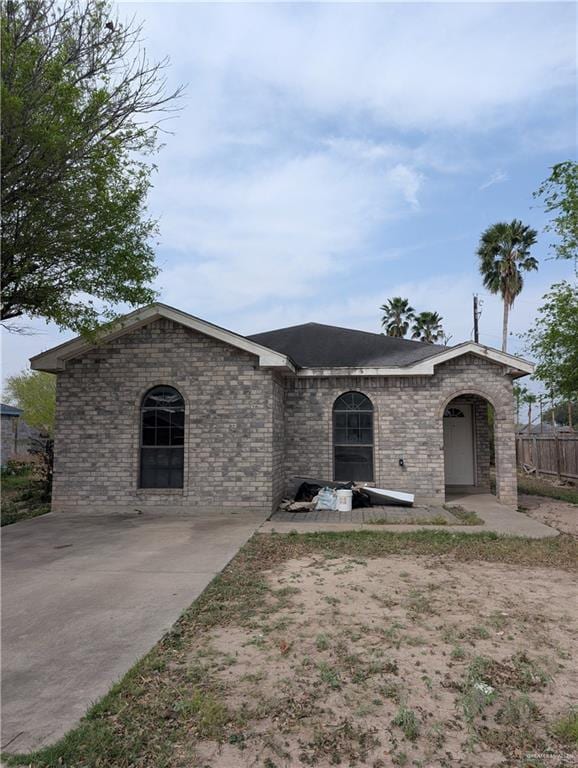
column 9, row 410
column 314, row 345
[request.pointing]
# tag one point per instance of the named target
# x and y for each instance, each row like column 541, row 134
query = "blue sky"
column 330, row 156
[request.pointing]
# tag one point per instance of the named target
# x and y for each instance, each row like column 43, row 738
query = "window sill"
column 164, row 491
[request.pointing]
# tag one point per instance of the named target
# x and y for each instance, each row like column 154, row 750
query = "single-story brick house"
column 170, row 411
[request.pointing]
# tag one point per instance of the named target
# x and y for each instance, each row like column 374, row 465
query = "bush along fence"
column 552, row 455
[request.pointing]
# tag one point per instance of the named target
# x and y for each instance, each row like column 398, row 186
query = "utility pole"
column 476, row 318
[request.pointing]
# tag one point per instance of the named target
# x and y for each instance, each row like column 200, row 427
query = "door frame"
column 461, row 403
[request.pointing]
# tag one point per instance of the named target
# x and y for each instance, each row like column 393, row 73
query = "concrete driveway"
column 84, row 597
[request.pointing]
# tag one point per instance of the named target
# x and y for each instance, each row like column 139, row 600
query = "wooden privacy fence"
column 549, row 454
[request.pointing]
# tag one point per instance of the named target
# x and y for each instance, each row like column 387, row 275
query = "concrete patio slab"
column 497, row 518
column 85, row 596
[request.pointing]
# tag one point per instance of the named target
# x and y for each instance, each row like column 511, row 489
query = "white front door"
column 458, row 444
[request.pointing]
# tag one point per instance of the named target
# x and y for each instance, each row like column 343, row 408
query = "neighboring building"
column 170, row 411
column 15, row 433
column 547, row 428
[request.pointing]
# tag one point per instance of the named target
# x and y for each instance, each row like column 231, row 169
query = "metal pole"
column 476, row 316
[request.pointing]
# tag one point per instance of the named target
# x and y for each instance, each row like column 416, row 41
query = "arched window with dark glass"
column 162, row 442
column 353, row 437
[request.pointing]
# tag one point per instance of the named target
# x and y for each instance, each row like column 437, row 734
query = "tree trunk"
column 530, row 418
column 570, row 420
column 505, row 325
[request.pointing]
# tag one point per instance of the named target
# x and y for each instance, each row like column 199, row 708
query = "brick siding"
column 248, row 430
column 408, row 424
column 228, row 423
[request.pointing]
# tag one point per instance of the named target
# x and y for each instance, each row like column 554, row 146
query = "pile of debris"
column 308, row 494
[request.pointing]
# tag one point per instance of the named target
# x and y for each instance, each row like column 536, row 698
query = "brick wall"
column 228, row 423
column 278, row 442
column 407, row 424
column 248, row 430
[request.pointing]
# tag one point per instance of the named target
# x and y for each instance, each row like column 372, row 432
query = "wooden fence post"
column 557, row 443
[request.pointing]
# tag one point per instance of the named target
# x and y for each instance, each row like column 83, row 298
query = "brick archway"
column 504, row 441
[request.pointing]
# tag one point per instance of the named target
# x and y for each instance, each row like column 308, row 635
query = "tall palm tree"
column 427, row 326
column 504, row 253
column 530, row 400
column 520, row 392
column 397, row 315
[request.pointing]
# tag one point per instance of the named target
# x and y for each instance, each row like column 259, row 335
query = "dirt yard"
column 429, row 649
column 557, row 514
column 397, row 661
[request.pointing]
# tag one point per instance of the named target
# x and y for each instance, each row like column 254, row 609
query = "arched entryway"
column 459, row 445
column 468, row 420
column 479, row 440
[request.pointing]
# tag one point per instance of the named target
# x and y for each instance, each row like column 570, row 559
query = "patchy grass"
column 517, row 710
column 435, row 520
column 540, row 487
column 22, row 498
column 566, row 728
column 258, row 671
column 465, row 516
column 407, row 720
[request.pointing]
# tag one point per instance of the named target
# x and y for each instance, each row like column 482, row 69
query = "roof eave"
column 515, row 366
column 54, row 360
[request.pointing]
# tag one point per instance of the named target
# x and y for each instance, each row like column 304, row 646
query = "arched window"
column 454, row 413
column 162, row 438
column 353, row 437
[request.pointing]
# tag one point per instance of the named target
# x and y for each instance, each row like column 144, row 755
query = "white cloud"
column 255, row 235
column 308, row 131
column 497, row 177
column 449, row 294
column 417, row 66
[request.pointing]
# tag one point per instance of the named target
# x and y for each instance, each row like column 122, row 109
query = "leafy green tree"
column 35, row 393
column 553, row 342
column 397, row 315
column 427, row 326
column 560, row 195
column 504, row 253
column 562, row 413
column 80, row 111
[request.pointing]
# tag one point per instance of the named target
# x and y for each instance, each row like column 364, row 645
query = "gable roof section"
column 315, row 345
column 322, row 350
column 54, row 360
column 312, row 349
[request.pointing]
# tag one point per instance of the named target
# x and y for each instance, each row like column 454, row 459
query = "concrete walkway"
column 497, row 518
column 84, row 597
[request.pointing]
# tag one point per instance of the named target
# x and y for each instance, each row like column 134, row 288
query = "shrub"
column 18, row 466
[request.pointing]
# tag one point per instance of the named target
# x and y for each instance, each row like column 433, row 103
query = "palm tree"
column 427, row 326
column 520, row 392
column 397, row 315
column 504, row 253
column 530, row 400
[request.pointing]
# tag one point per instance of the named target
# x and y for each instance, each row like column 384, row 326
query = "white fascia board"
column 54, row 360
column 516, row 365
